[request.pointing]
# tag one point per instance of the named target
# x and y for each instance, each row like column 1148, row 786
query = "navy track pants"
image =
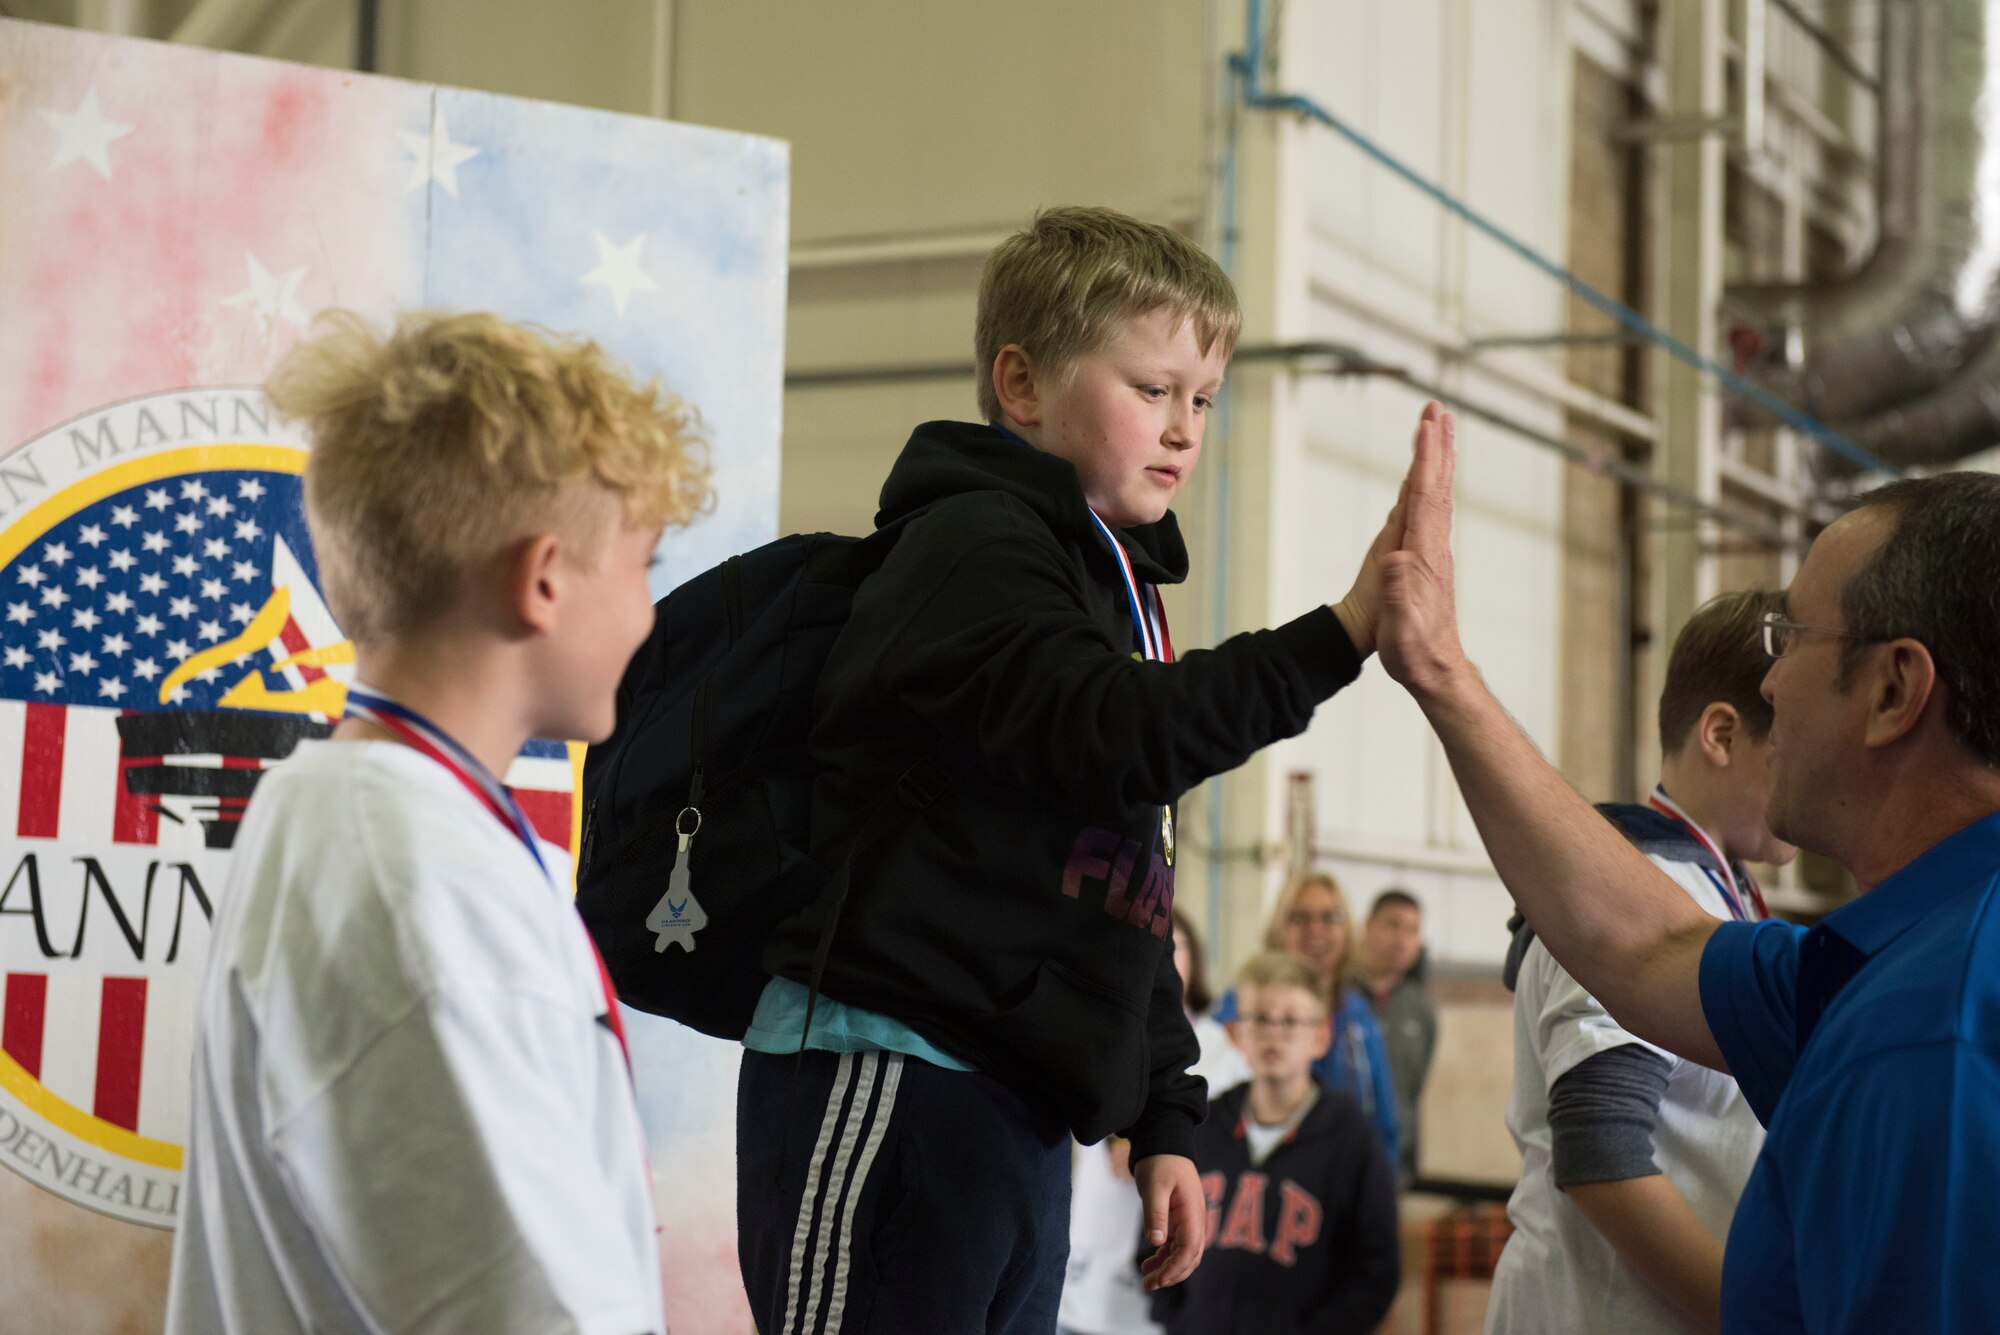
column 878, row 1194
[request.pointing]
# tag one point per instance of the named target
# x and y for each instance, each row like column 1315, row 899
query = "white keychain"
column 679, row 915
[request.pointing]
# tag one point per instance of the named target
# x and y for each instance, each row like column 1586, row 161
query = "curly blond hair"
column 440, row 444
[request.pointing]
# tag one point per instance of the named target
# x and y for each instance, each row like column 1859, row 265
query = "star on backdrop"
column 619, row 271
column 86, row 135
column 434, row 157
column 270, row 298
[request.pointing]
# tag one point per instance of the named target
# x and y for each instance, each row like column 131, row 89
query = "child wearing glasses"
column 1301, row 1199
column 1310, row 922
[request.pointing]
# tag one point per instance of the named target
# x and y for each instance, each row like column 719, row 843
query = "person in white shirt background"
column 1633, row 1159
column 1101, row 1289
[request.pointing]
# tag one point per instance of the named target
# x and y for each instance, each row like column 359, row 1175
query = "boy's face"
column 1282, row 1031
column 607, row 613
column 1130, row 416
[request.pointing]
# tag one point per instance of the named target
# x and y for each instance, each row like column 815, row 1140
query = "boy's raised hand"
column 1417, row 628
column 1176, row 1218
column 1360, row 612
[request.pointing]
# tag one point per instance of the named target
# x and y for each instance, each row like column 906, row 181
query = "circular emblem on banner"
column 163, row 641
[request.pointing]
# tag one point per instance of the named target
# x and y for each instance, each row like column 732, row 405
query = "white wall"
column 1474, row 97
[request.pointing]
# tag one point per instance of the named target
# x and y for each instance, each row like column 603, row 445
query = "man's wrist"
column 1449, row 688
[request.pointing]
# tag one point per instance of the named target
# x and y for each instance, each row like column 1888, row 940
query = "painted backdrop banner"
column 169, row 221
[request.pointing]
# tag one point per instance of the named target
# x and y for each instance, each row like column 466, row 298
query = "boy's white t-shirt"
column 1557, row 1271
column 408, row 1115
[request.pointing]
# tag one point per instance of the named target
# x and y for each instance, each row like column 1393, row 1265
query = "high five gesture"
column 1417, row 631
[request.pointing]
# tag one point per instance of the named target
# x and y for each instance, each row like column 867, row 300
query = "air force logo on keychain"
column 679, row 915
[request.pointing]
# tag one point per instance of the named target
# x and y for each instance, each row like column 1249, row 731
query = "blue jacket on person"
column 1357, row 1064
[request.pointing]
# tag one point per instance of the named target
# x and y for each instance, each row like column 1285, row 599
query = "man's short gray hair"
column 1936, row 580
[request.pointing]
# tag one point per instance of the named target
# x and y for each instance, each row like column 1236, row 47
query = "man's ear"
column 533, row 583
column 1323, row 1039
column 1901, row 681
column 1014, row 386
column 1717, row 731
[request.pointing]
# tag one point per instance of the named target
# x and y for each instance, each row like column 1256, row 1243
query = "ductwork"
column 1918, row 311
column 1960, row 419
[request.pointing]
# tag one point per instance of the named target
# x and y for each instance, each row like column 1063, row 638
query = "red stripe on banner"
column 41, row 771
column 296, row 642
column 548, row 811
column 134, row 820
column 121, row 1044
column 21, row 1029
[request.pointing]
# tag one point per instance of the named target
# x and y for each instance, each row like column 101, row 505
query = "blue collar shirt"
column 1870, row 1048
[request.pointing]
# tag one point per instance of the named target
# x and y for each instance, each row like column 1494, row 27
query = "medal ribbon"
column 1731, row 892
column 1149, row 614
column 1149, row 619
column 420, row 734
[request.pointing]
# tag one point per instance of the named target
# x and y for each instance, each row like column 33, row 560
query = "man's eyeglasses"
column 1779, row 633
column 1284, row 1024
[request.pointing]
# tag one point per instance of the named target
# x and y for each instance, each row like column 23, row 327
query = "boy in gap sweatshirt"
column 1002, row 975
column 1301, row 1201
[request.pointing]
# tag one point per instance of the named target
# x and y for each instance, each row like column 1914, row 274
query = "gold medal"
column 1167, row 834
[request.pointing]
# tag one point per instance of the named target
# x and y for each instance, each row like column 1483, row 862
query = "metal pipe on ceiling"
column 1921, row 308
column 1339, row 359
column 1249, row 66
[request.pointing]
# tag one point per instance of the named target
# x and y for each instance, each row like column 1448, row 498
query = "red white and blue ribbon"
column 1149, row 619
column 370, row 705
column 419, row 733
column 1149, row 614
column 1733, row 894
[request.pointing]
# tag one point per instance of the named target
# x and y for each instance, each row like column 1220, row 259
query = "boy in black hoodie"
column 1301, row 1202
column 1002, row 974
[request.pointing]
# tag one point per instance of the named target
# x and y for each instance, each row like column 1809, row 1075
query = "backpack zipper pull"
column 679, row 915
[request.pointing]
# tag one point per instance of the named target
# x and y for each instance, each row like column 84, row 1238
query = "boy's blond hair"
column 1062, row 287
column 1274, row 968
column 456, row 435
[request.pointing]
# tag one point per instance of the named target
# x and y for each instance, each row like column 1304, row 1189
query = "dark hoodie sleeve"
column 1175, row 1100
column 996, row 648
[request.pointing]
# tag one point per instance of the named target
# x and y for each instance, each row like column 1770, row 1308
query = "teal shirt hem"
column 836, row 1027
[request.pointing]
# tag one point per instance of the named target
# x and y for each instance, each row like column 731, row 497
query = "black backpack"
column 697, row 831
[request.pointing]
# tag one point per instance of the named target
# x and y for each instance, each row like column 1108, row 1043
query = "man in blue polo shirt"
column 1870, row 1045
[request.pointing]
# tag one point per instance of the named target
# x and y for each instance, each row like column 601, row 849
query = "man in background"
column 1390, row 970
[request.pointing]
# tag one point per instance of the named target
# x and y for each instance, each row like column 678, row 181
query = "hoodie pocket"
column 1079, row 1044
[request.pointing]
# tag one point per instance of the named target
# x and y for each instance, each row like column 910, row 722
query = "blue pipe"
column 1218, row 474
column 1249, row 66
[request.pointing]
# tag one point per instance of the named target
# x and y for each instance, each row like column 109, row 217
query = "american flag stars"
column 92, row 600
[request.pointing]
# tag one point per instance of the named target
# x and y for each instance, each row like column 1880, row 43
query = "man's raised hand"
column 1417, row 630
